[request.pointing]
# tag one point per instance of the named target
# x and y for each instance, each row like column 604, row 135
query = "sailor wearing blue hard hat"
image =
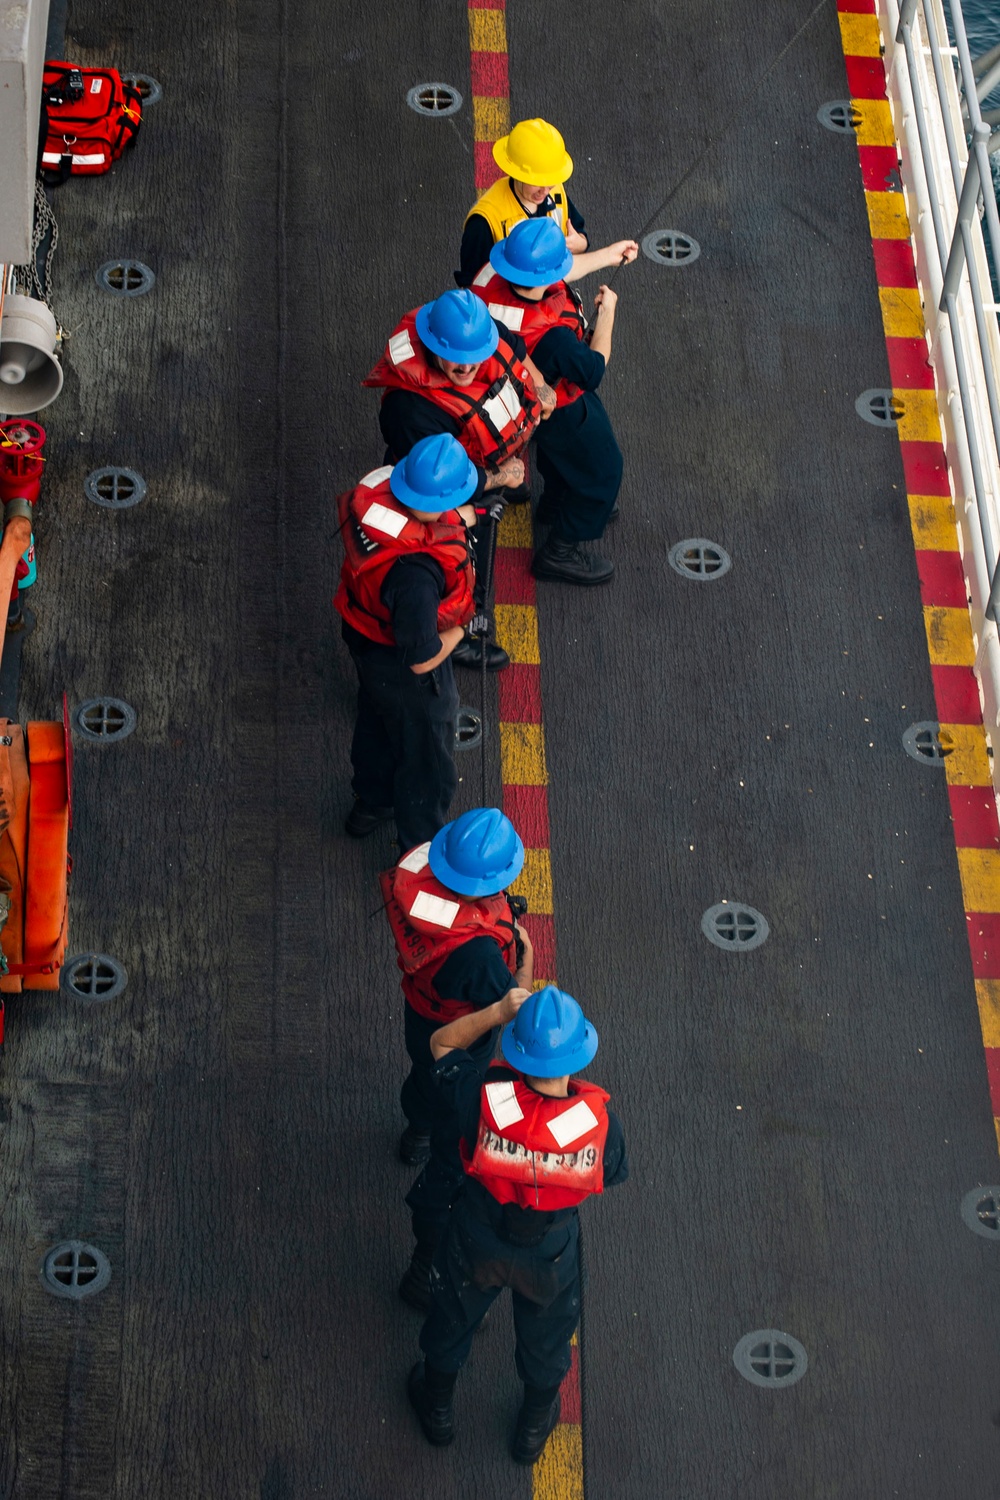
column 406, row 595
column 524, row 285
column 449, row 367
column 460, row 948
column 535, row 1142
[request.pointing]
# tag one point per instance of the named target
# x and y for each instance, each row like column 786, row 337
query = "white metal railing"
column 936, row 110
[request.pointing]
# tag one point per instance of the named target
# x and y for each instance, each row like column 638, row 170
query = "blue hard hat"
column 535, row 253
column 477, row 854
column 458, row 327
column 549, row 1037
column 436, row 475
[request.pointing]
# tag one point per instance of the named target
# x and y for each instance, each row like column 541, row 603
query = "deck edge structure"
column 944, row 586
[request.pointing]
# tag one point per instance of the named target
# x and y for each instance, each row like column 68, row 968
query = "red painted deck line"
column 942, row 577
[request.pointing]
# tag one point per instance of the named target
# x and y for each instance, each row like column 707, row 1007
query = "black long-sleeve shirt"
column 477, row 238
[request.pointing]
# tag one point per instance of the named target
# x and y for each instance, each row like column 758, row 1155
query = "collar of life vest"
column 566, row 1125
column 387, row 516
column 512, row 316
column 433, row 908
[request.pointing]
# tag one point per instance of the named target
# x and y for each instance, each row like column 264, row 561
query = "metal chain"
column 27, row 275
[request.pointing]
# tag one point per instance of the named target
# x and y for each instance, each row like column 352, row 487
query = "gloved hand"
column 479, row 625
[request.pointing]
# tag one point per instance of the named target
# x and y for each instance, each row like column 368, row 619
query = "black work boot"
column 567, row 562
column 468, row 653
column 430, row 1394
column 364, row 818
column 415, row 1287
column 414, row 1146
column 534, row 1424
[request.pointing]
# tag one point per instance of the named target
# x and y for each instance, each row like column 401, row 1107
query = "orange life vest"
column 498, row 412
column 429, row 922
column 34, row 863
column 535, row 1151
column 560, row 307
column 377, row 532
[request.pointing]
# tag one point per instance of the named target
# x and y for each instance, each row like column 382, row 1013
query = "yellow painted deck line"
column 517, row 632
column 988, row 999
column 919, row 422
column 902, row 314
column 558, row 1474
column 515, row 527
column 522, row 755
column 888, row 220
column 487, row 30
column 874, row 122
column 932, row 521
column 490, row 117
column 860, row 35
column 968, row 764
column 980, row 873
column 535, row 881
column 949, row 637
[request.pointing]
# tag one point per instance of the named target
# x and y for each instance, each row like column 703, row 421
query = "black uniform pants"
column 404, row 742
column 581, row 465
column 431, row 1196
column 471, row 1267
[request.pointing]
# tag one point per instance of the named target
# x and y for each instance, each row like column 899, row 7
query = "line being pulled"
column 736, row 118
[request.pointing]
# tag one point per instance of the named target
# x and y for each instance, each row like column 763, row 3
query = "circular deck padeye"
column 735, row 927
column 468, row 729
column 115, row 488
column 75, row 1269
column 928, row 743
column 839, row 115
column 434, row 99
column 104, row 719
column 700, row 559
column 150, row 90
column 879, row 407
column 770, row 1358
column 125, row 278
column 92, row 976
column 981, row 1211
column 671, row 247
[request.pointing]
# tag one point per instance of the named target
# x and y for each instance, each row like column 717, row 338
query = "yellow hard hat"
column 533, row 152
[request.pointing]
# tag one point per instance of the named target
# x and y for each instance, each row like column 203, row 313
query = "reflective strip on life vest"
column 376, row 477
column 416, row 860
column 572, row 1123
column 381, row 518
column 503, row 1104
column 510, row 317
column 428, row 908
column 400, row 348
column 503, row 408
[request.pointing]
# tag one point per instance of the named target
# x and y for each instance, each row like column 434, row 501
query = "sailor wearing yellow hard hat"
column 538, row 165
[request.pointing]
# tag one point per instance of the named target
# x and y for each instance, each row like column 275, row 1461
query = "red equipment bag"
column 89, row 116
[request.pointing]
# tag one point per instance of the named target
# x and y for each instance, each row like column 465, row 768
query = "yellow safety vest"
column 502, row 209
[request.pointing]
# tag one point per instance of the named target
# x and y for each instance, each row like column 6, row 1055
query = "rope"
column 491, row 547
column 737, row 116
column 44, row 222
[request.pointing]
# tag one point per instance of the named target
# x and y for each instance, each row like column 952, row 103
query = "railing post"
column 906, row 13
column 967, row 209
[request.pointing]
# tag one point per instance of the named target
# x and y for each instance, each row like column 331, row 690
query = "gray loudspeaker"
column 30, row 374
